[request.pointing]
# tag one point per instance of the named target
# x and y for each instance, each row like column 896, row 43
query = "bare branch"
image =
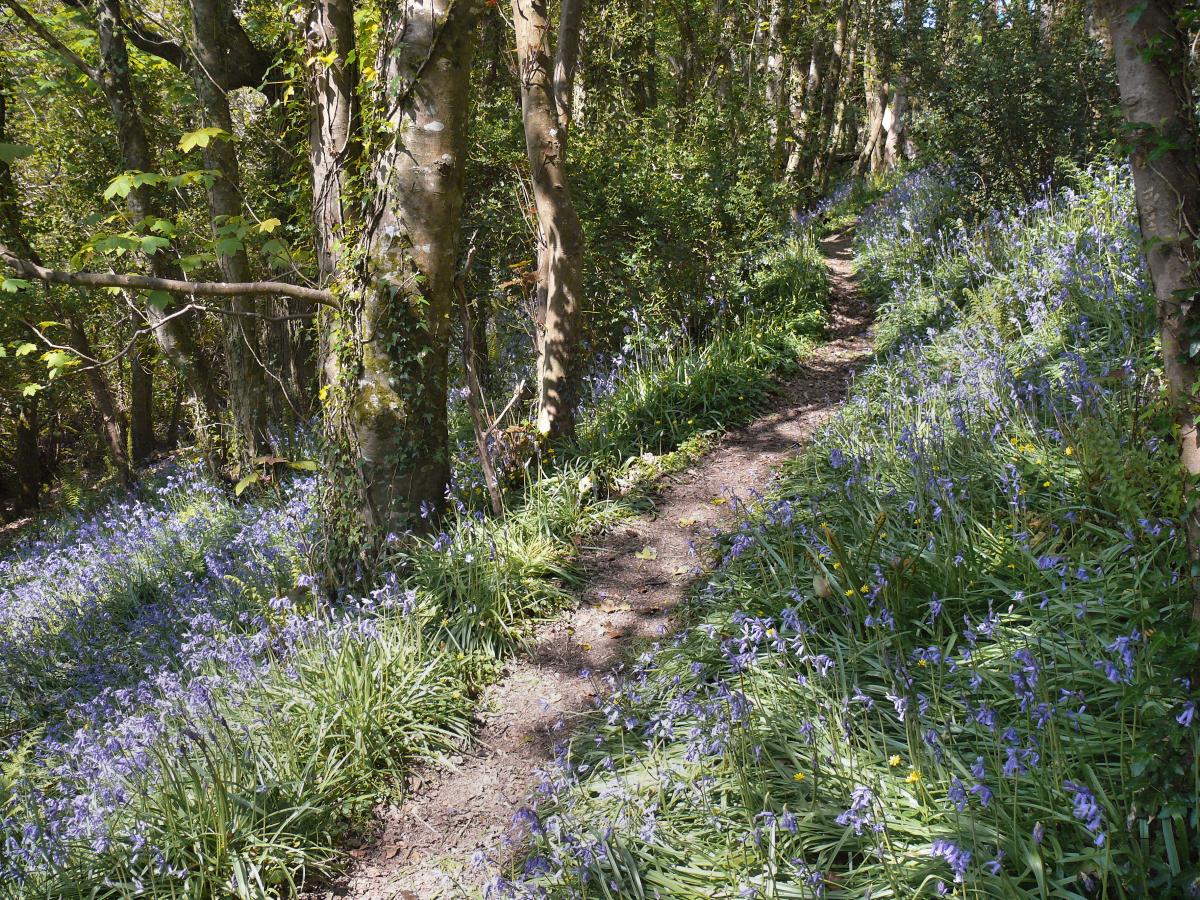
column 29, row 269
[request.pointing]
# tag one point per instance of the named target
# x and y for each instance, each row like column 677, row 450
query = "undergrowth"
column 952, row 655
column 182, row 715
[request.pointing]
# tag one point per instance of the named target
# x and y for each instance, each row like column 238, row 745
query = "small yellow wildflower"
column 836, row 566
column 914, row 775
column 799, row 776
column 1045, row 484
column 894, row 760
column 922, row 663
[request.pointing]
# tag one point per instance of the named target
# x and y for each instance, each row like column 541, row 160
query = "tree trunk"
column 1152, row 70
column 776, row 73
column 895, row 123
column 333, row 145
column 27, row 457
column 249, row 391
column 560, row 247
column 393, row 337
column 829, row 98
column 141, row 404
column 174, row 336
column 875, row 90
column 112, row 424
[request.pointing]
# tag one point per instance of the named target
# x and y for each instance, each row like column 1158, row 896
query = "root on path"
column 429, row 845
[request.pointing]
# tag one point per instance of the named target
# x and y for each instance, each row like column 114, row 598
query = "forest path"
column 432, row 844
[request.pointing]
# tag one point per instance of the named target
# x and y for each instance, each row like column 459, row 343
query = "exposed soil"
column 430, row 846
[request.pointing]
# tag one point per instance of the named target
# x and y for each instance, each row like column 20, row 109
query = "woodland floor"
column 425, row 846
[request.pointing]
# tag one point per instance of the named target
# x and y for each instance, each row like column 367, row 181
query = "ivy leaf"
column 10, row 152
column 202, row 137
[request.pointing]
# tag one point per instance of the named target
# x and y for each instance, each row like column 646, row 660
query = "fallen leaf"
column 391, row 852
column 614, row 633
column 717, row 501
column 686, row 522
column 647, row 552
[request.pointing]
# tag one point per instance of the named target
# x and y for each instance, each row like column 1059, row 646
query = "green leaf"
column 202, row 137
column 29, row 389
column 244, row 483
column 25, row 349
column 119, row 186
column 12, row 285
column 267, row 226
column 160, row 300
column 10, row 152
column 304, row 465
column 44, row 325
column 152, row 244
column 163, row 226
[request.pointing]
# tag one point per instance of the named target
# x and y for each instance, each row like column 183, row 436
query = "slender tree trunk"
column 776, row 72
column 393, row 338
column 1152, row 72
column 141, row 405
column 334, row 148
column 831, row 89
column 249, row 391
column 875, row 91
column 561, row 242
column 895, row 123
column 27, row 457
column 173, row 335
column 111, row 422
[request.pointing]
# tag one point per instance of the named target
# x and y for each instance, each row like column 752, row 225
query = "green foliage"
column 827, row 725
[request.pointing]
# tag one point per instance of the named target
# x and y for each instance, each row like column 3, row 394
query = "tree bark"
column 776, row 72
column 141, row 404
column 1152, row 74
column 560, row 247
column 393, row 339
column 333, row 145
column 174, row 335
column 27, row 457
column 249, row 391
column 111, row 422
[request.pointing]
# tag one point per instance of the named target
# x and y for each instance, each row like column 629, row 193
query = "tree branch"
column 50, row 40
column 29, row 269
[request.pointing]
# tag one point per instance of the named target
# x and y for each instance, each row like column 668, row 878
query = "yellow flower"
column 922, row 663
column 914, row 775
column 1045, row 484
column 894, row 760
column 863, row 589
column 799, row 776
column 836, row 566
column 1069, row 451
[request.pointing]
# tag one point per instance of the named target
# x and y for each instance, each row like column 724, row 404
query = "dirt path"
column 452, row 817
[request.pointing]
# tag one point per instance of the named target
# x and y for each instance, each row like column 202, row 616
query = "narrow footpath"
column 431, row 845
